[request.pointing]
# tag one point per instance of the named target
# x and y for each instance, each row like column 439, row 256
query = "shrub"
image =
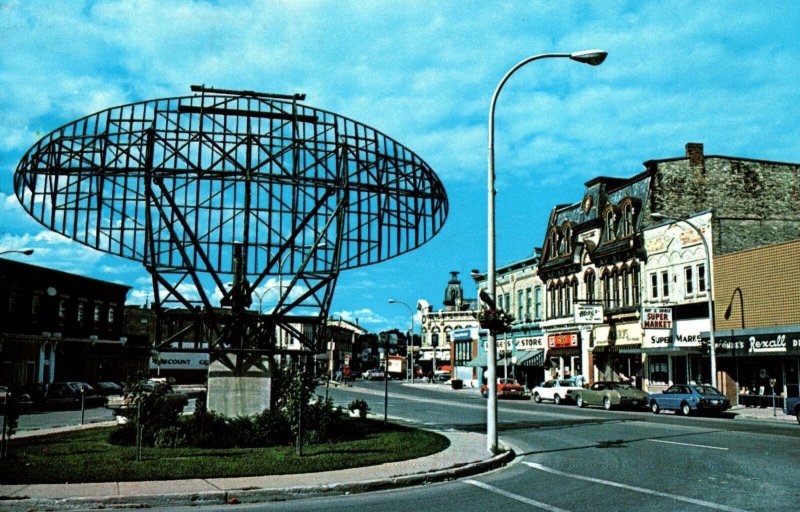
column 171, row 437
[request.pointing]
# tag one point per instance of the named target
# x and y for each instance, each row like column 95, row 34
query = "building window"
column 12, row 302
column 609, row 226
column 552, row 301
column 537, row 305
column 626, row 288
column 665, row 285
column 635, row 286
column 520, row 306
column 81, row 312
column 528, row 305
column 653, row 286
column 560, row 301
column 628, row 220
column 35, row 305
column 567, row 240
column 617, row 278
column 62, row 309
column 575, row 296
column 590, row 290
column 607, row 291
column 97, row 314
column 500, row 301
column 567, row 299
column 689, row 280
column 701, row 278
column 111, row 316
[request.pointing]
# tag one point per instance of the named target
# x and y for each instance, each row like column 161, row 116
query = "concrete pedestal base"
column 238, row 394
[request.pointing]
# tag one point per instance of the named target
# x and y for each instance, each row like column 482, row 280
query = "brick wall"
column 767, row 279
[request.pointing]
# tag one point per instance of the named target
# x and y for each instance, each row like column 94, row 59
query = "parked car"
column 441, row 376
column 557, row 390
column 373, row 374
column 689, row 398
column 107, row 388
column 793, row 407
column 121, row 405
column 610, row 394
column 70, row 395
column 506, row 388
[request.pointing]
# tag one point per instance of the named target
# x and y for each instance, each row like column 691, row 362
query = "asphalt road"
column 51, row 419
column 571, row 459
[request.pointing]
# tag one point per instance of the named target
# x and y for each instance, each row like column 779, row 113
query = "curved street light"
column 593, row 58
column 712, row 351
column 26, row 252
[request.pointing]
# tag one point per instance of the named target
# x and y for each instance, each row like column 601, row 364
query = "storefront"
column 761, row 362
column 614, row 353
column 564, row 355
column 670, row 350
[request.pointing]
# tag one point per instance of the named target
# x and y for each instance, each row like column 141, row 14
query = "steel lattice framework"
column 221, row 192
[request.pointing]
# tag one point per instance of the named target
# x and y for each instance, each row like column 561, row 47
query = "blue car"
column 688, row 398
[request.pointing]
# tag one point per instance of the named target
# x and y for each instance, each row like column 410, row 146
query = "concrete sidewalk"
column 465, row 456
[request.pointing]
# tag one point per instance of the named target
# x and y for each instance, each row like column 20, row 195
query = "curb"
column 258, row 495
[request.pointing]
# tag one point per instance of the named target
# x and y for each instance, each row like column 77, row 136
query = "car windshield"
column 621, row 385
column 707, row 390
column 565, row 383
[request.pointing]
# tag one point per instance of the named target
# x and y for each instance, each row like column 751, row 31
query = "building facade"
column 58, row 326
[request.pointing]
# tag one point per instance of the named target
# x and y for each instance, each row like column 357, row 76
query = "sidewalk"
column 465, row 456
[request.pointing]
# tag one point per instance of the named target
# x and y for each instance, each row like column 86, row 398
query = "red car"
column 506, row 388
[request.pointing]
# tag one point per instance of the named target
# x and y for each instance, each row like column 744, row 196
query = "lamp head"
column 659, row 216
column 591, row 57
column 392, row 301
column 728, row 311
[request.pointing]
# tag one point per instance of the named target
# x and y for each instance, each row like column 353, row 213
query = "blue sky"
column 721, row 73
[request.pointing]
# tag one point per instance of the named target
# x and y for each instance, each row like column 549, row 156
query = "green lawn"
column 86, row 456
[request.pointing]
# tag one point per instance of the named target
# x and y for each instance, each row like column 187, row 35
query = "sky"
column 723, row 73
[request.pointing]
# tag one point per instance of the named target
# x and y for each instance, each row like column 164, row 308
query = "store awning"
column 660, row 350
column 479, row 361
column 530, row 358
column 622, row 349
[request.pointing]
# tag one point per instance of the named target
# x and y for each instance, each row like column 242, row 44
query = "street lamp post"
column 712, row 351
column 409, row 353
column 591, row 57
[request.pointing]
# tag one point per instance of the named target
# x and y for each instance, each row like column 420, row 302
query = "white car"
column 555, row 390
column 373, row 374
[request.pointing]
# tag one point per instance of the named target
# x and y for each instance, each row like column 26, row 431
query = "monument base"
column 238, row 393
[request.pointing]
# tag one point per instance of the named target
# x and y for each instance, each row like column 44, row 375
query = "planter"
column 456, row 383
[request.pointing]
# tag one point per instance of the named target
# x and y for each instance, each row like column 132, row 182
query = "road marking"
column 688, row 444
column 523, row 499
column 651, row 492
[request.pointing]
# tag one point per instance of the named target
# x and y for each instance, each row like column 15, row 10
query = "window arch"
column 609, row 226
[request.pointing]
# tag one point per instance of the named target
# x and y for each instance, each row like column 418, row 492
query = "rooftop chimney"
column 694, row 152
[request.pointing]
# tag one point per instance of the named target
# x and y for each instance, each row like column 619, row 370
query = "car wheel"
column 685, row 409
column 537, row 398
column 579, row 401
column 557, row 399
column 654, row 407
column 797, row 414
column 485, row 394
column 607, row 403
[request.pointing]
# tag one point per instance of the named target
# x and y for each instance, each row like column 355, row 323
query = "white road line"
column 688, row 444
column 693, row 501
column 523, row 499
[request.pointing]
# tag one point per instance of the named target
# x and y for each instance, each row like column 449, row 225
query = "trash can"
column 457, row 383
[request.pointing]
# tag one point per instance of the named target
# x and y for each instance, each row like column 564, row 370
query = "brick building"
column 57, row 326
column 758, row 322
column 594, row 254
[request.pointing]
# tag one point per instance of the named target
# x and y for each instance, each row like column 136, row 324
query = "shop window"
column 658, row 370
